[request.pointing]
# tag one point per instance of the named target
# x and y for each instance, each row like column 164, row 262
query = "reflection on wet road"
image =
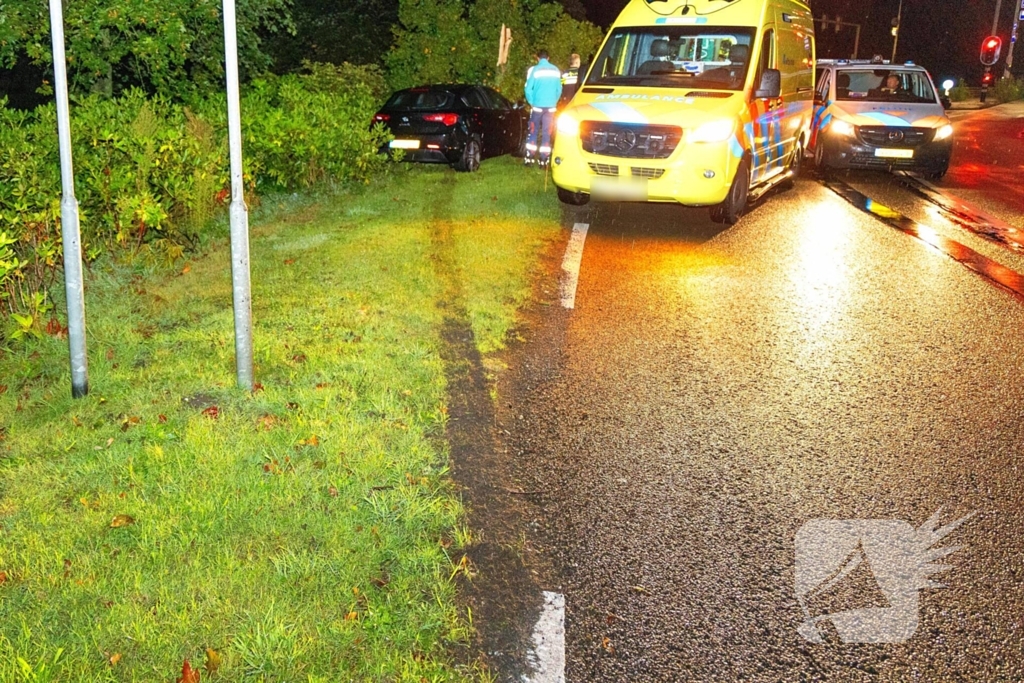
column 715, row 391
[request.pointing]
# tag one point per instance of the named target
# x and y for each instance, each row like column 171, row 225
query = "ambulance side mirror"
column 771, row 85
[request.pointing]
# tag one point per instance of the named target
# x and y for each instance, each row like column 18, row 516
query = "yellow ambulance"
column 700, row 102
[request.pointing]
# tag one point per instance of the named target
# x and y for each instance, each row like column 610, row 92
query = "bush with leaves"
column 960, row 92
column 1008, row 89
column 443, row 41
column 150, row 173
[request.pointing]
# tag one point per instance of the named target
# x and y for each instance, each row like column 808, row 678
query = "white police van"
column 873, row 114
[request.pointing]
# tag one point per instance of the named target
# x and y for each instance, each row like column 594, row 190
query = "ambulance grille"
column 604, row 169
column 895, row 136
column 652, row 173
column 629, row 140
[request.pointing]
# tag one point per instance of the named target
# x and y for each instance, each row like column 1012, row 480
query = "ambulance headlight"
column 567, row 125
column 842, row 128
column 714, row 131
column 943, row 132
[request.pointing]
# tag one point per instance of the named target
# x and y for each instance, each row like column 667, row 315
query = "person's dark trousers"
column 538, row 142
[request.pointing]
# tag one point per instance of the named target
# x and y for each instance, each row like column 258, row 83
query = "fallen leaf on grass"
column 212, row 660
column 322, row 385
column 55, row 329
column 299, row 358
column 257, row 387
column 351, row 616
column 606, row 643
column 3, row 388
column 213, row 412
column 332, row 492
column 115, row 658
column 188, row 674
column 161, row 418
column 311, row 441
column 121, row 520
column 3, row 577
column 266, row 422
column 186, row 269
column 129, row 421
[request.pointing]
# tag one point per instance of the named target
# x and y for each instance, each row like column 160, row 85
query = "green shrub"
column 960, row 92
column 149, row 173
column 1008, row 89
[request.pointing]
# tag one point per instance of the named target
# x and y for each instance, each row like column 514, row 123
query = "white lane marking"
column 548, row 655
column 571, row 264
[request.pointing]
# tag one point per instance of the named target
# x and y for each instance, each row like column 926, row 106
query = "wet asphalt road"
column 717, row 388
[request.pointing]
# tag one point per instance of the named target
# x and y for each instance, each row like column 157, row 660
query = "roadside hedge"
column 149, row 173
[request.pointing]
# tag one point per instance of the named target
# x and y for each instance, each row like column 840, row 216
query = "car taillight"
column 446, row 119
column 381, row 118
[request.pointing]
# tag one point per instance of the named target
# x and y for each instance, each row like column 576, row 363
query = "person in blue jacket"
column 543, row 90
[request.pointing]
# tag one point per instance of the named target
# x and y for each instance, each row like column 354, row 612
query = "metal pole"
column 995, row 19
column 856, row 41
column 238, row 212
column 70, row 233
column 1013, row 40
column 896, row 33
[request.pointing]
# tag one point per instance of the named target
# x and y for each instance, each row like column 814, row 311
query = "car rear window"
column 425, row 100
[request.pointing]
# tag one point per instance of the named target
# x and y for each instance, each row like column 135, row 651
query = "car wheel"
column 939, row 173
column 470, row 160
column 795, row 164
column 572, row 198
column 819, row 159
column 729, row 211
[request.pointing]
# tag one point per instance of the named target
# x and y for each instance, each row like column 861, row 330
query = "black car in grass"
column 453, row 124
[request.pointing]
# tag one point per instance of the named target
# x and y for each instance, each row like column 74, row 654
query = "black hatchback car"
column 453, row 124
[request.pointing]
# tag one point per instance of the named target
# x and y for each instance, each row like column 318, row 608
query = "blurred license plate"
column 619, row 190
column 895, row 153
column 405, row 144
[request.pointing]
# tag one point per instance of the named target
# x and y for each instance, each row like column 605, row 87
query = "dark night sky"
column 942, row 35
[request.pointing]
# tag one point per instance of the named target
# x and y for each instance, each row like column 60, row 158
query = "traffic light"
column 990, row 49
column 987, row 78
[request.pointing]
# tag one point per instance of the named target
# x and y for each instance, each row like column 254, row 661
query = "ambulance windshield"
column 715, row 57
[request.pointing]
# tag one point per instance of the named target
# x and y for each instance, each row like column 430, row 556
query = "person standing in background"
column 543, row 90
column 570, row 80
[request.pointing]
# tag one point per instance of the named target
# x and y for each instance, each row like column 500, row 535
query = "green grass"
column 306, row 532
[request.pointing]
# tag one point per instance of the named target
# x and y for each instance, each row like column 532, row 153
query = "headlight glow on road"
column 944, row 132
column 567, row 125
column 714, row 131
column 842, row 128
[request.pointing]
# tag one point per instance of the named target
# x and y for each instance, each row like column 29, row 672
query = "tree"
column 168, row 47
column 440, row 41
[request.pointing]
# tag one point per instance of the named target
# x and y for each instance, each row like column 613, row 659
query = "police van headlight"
column 567, row 125
column 714, row 131
column 843, row 128
column 943, row 132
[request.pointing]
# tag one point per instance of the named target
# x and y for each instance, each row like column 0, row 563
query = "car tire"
column 728, row 212
column 572, row 198
column 819, row 159
column 938, row 173
column 795, row 164
column 470, row 159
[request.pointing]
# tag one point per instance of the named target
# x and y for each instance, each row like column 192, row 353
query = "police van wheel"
column 729, row 211
column 795, row 164
column 572, row 198
column 470, row 160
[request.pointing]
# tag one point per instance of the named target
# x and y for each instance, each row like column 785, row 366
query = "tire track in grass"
column 503, row 599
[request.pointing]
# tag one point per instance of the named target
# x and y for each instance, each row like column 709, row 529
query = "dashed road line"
column 548, row 655
column 995, row 272
column 571, row 264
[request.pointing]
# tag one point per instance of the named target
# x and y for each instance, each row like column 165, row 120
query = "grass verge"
column 305, row 532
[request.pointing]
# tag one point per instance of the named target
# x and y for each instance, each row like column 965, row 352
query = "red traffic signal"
column 986, row 79
column 990, row 49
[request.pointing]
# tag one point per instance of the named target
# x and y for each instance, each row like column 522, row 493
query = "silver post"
column 995, row 19
column 1013, row 40
column 856, row 41
column 70, row 234
column 238, row 212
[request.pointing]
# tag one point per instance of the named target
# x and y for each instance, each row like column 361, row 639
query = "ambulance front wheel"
column 729, row 211
column 572, row 198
